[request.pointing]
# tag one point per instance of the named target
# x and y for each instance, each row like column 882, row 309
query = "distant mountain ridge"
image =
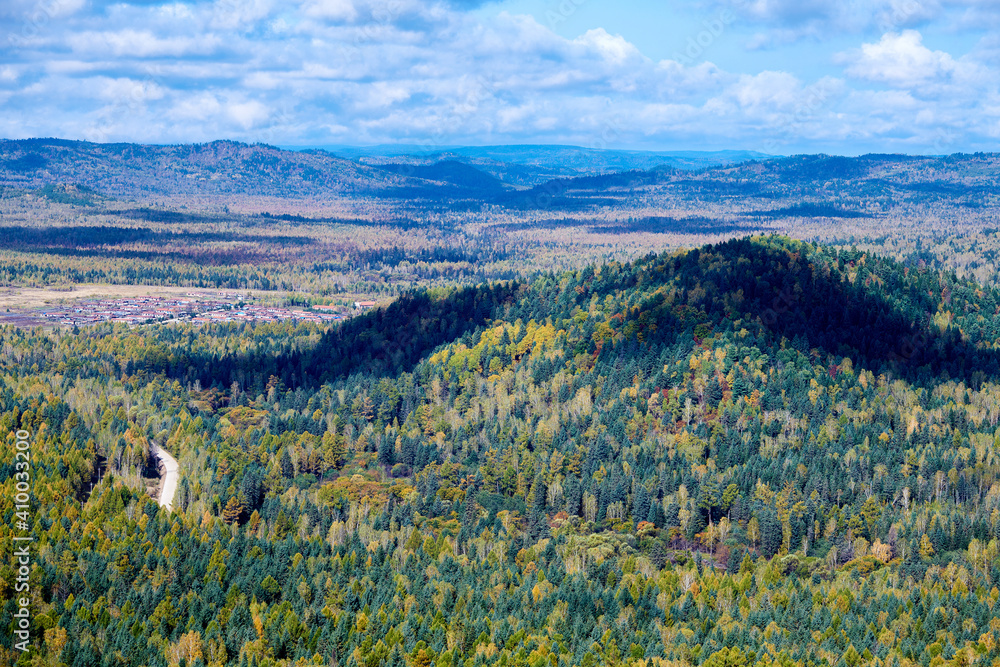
column 818, row 186
column 533, row 164
column 466, row 178
column 232, row 168
column 216, row 168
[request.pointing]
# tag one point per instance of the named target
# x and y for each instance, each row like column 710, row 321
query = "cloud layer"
column 312, row 72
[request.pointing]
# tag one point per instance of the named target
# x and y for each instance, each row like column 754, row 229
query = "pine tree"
column 387, row 451
column 538, row 520
column 285, row 464
column 735, row 560
column 771, row 535
column 470, row 512
column 658, row 555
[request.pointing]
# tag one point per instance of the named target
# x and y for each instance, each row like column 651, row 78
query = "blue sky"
column 777, row 76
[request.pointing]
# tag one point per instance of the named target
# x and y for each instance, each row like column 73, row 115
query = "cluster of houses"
column 252, row 313
column 198, row 308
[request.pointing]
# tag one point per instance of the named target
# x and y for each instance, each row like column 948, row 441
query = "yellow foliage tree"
column 188, row 647
column 926, row 548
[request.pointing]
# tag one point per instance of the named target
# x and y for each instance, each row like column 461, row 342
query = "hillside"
column 759, row 452
column 871, row 185
column 221, row 168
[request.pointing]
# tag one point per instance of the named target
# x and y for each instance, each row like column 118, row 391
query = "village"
column 194, row 307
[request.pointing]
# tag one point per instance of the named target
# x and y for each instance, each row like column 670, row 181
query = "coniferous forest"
column 760, row 451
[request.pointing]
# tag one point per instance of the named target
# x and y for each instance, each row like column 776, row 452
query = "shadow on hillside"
column 882, row 323
column 384, row 341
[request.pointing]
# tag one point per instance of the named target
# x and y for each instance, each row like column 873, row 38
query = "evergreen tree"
column 770, row 534
column 285, row 464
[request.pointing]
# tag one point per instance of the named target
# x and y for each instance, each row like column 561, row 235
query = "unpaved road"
column 170, row 476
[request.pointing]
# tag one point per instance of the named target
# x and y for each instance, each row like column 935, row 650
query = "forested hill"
column 223, row 168
column 802, row 186
column 759, row 452
column 911, row 323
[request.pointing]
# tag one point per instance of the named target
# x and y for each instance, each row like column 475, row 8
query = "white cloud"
column 900, row 60
column 334, row 10
column 237, row 14
column 766, row 92
column 382, row 95
column 129, row 91
column 612, row 48
column 248, row 114
column 176, row 11
column 197, row 107
column 142, row 44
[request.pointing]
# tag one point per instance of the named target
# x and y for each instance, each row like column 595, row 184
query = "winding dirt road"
column 170, row 477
